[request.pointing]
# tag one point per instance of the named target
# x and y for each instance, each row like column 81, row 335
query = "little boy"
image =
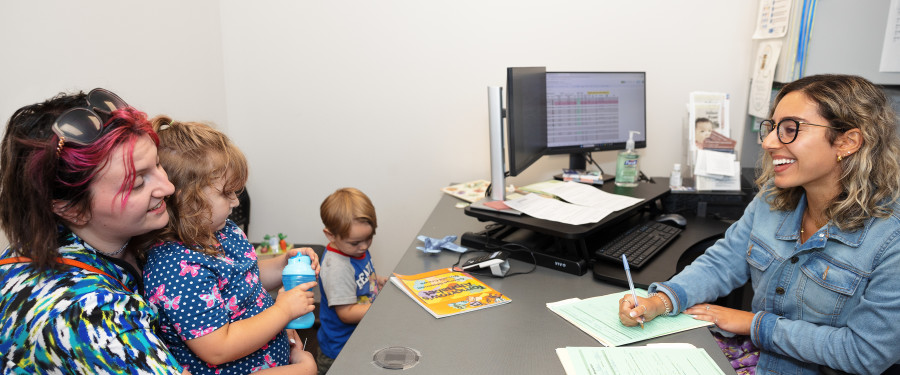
column 348, row 281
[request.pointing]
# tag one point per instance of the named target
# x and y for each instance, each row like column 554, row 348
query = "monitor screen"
column 593, row 111
column 526, row 116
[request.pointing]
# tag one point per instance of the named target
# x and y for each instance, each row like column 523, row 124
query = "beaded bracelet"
column 666, row 304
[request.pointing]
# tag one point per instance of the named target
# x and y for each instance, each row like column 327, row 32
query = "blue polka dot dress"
column 197, row 294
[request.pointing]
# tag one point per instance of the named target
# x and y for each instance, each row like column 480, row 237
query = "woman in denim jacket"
column 820, row 243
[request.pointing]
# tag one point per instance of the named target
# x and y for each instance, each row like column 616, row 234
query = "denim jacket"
column 833, row 301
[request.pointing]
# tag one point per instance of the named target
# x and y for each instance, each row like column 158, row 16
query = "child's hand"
column 381, row 281
column 313, row 257
column 297, row 301
column 298, row 352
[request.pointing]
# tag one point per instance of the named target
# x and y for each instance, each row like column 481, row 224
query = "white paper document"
column 772, row 19
column 587, row 195
column 720, row 183
column 763, row 75
column 715, row 163
column 551, row 209
column 641, row 360
column 890, row 50
column 588, row 204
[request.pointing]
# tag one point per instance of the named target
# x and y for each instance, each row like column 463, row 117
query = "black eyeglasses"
column 787, row 129
column 84, row 125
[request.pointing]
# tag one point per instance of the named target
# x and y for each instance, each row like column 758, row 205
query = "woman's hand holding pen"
column 648, row 308
column 731, row 320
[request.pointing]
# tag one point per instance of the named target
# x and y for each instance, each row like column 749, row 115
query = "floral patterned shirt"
column 76, row 321
column 198, row 293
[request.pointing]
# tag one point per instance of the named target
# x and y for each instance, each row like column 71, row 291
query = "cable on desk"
column 590, row 159
column 511, row 247
column 487, row 192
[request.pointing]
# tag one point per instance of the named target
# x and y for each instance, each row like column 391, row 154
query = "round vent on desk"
column 396, row 358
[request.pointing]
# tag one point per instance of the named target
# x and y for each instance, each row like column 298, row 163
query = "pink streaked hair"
column 129, row 125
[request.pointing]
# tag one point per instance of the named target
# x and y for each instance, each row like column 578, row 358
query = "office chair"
column 240, row 215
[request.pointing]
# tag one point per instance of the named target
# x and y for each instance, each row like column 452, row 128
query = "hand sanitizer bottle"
column 627, row 164
column 675, row 178
column 299, row 271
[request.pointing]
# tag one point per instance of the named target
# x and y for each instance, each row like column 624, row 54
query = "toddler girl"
column 216, row 314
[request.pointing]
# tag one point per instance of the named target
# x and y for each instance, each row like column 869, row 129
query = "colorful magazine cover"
column 472, row 191
column 445, row 292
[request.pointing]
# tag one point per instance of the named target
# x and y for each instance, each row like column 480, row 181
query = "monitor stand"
column 560, row 246
column 535, row 248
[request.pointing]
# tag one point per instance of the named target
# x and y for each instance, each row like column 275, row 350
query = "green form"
column 599, row 317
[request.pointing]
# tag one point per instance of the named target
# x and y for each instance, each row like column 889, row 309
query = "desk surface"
column 516, row 338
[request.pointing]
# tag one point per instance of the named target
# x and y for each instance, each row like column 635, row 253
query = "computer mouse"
column 675, row 219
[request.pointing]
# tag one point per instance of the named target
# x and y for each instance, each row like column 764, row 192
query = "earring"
column 840, row 157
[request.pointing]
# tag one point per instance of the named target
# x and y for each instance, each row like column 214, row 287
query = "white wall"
column 162, row 57
column 389, row 97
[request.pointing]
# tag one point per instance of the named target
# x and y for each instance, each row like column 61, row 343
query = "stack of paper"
column 599, row 317
column 792, row 59
column 656, row 359
column 711, row 150
column 586, row 204
column 717, row 171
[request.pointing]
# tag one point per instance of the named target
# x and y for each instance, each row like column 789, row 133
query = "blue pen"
column 631, row 285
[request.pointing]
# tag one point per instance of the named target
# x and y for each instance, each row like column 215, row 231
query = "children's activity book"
column 445, row 292
column 472, row 191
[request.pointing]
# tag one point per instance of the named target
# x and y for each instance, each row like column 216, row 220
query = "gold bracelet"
column 666, row 304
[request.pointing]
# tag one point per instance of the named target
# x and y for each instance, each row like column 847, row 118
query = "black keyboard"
column 640, row 243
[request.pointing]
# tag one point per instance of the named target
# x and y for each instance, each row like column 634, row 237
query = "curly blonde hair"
column 195, row 155
column 870, row 177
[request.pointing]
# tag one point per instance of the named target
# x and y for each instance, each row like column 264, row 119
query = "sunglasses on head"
column 83, row 125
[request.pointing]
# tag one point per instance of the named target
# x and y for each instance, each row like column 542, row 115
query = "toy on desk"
column 282, row 244
column 275, row 244
column 434, row 245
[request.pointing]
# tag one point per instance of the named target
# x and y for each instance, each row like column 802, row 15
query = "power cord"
column 643, row 177
column 510, row 247
column 487, row 192
column 590, row 159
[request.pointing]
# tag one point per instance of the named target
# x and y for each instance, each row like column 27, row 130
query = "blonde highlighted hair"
column 344, row 207
column 195, row 155
column 869, row 177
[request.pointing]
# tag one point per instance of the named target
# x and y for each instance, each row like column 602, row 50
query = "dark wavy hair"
column 33, row 176
column 870, row 178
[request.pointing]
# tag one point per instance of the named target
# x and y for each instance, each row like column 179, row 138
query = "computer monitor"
column 594, row 111
column 526, row 116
